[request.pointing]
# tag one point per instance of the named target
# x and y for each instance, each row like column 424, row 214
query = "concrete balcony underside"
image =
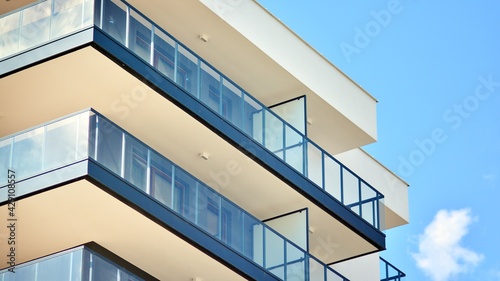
column 78, row 72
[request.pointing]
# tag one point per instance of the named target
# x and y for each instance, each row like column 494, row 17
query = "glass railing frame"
column 85, row 251
column 376, row 199
column 387, row 266
column 306, row 256
column 97, row 22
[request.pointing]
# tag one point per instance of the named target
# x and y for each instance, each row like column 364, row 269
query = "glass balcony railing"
column 90, row 135
column 198, row 78
column 77, row 264
column 43, row 22
column 389, row 272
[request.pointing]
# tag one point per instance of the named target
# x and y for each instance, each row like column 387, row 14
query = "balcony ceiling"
column 86, row 78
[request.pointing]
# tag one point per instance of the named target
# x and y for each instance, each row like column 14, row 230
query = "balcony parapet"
column 89, row 135
column 86, row 262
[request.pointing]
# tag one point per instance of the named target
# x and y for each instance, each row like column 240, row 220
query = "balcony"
column 75, row 138
column 198, row 78
column 389, row 272
column 81, row 263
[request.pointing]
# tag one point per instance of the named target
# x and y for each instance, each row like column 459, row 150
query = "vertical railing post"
column 172, row 188
column 285, row 262
column 360, row 199
column 341, row 184
column 284, row 141
column 323, row 177
column 152, row 45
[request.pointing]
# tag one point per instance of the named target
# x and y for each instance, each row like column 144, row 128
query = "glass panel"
column 88, row 12
column 332, row 275
column 274, row 130
column 136, row 163
column 210, row 88
column 208, row 214
column 232, row 225
column 314, row 164
column 5, row 149
column 367, row 209
column 103, row 270
column 61, row 142
column 9, row 34
column 295, row 150
column 295, row 259
column 332, row 177
column 250, row 234
column 316, row 270
column 252, row 121
column 140, row 36
column 126, row 276
column 67, row 17
column 184, row 194
column 367, row 212
column 231, row 103
column 56, row 268
column 258, row 241
column 258, row 126
column 161, row 179
column 35, row 25
column 115, row 20
column 109, row 145
column 275, row 253
column 27, row 156
column 82, row 149
column 22, row 273
column 350, row 188
column 164, row 54
column 187, row 70
column 76, row 265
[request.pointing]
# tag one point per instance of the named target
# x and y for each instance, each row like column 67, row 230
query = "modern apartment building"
column 183, row 140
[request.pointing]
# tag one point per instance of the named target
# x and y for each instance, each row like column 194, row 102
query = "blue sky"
column 434, row 66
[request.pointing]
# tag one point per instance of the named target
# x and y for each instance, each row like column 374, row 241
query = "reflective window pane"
column 232, row 103
column 67, row 17
column 187, row 71
column 5, row 150
column 210, row 88
column 35, row 25
column 61, row 142
column 140, row 36
column 114, row 20
column 9, row 34
column 208, row 210
column 161, row 179
column 184, row 195
column 27, row 154
column 164, row 54
column 232, row 225
column 109, row 145
column 136, row 163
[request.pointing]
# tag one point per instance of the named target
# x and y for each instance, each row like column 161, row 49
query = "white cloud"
column 440, row 254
